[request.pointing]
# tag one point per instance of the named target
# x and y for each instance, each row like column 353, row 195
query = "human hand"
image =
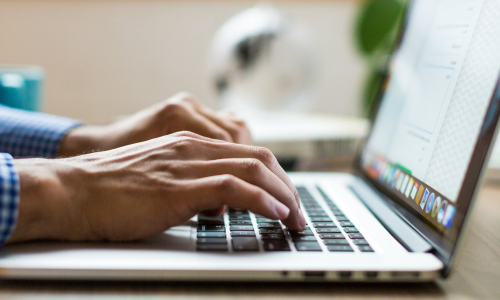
column 143, row 189
column 182, row 112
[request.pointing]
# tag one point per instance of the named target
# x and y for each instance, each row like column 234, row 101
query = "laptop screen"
column 435, row 100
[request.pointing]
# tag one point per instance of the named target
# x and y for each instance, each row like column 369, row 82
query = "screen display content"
column 441, row 81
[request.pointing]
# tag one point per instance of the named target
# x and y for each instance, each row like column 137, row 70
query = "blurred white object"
column 315, row 141
column 260, row 59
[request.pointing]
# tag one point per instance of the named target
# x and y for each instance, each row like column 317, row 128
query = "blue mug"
column 21, row 86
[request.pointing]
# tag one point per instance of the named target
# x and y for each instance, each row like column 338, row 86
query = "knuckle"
column 240, row 122
column 186, row 98
column 184, row 134
column 184, row 143
column 227, row 184
column 252, row 166
column 265, row 155
column 174, row 109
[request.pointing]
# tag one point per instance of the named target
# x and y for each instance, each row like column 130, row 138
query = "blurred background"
column 314, row 64
column 109, row 58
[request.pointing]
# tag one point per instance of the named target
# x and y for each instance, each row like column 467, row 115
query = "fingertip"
column 302, row 219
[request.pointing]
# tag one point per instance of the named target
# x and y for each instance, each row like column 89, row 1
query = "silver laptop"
column 399, row 218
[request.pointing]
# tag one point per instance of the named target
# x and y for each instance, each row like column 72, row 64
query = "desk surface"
column 477, row 276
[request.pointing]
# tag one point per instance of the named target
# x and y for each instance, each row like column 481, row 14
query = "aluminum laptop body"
column 400, row 217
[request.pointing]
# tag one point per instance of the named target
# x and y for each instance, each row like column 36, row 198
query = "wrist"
column 46, row 209
column 82, row 140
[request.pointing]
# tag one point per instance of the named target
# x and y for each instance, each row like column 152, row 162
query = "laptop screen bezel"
column 444, row 248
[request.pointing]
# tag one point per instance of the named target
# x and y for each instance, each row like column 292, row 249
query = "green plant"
column 376, row 31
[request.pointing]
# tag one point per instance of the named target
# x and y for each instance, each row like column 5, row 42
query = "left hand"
column 182, row 112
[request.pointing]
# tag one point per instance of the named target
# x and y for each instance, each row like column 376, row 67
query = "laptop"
column 399, row 217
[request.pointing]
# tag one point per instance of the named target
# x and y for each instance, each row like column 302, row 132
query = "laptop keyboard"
column 238, row 230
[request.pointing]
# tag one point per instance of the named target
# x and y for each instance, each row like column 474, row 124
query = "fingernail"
column 281, row 210
column 302, row 219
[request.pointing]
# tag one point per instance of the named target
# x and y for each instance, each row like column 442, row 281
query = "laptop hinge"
column 403, row 232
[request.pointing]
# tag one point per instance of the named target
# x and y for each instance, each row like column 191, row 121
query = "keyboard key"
column 276, row 246
column 307, row 246
column 356, row 236
column 273, row 236
column 361, row 242
column 351, row 230
column 321, row 219
column 211, row 247
column 242, row 233
column 245, row 244
column 241, row 228
column 338, row 213
column 240, row 222
column 238, row 212
column 335, row 242
column 307, row 238
column 301, row 233
column 265, row 230
column 265, row 220
column 328, row 230
column 211, row 241
column 310, row 207
column 315, row 209
column 324, row 224
column 275, row 225
column 239, row 217
column 309, row 201
column 211, row 228
column 211, row 234
column 339, row 248
column 365, row 249
column 331, row 236
column 317, row 214
column 342, row 219
column 204, row 220
column 346, row 224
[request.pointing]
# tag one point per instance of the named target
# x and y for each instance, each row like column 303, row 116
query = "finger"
column 190, row 134
column 212, row 192
column 236, row 127
column 214, row 212
column 204, row 126
column 218, row 151
column 184, row 117
column 250, row 170
column 207, row 150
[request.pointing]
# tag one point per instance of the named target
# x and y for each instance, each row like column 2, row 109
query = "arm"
column 143, row 189
column 182, row 112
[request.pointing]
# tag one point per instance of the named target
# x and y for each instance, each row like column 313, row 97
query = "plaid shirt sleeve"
column 9, row 197
column 24, row 134
column 32, row 134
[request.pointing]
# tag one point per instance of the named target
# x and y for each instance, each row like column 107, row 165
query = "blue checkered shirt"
column 24, row 134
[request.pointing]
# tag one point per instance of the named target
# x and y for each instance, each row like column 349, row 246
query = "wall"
column 112, row 57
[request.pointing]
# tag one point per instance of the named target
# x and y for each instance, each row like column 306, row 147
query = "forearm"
column 81, row 140
column 45, row 210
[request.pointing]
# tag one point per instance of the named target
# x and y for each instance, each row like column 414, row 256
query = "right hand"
column 143, row 189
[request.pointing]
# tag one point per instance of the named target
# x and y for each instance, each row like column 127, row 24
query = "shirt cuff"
column 32, row 134
column 9, row 197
